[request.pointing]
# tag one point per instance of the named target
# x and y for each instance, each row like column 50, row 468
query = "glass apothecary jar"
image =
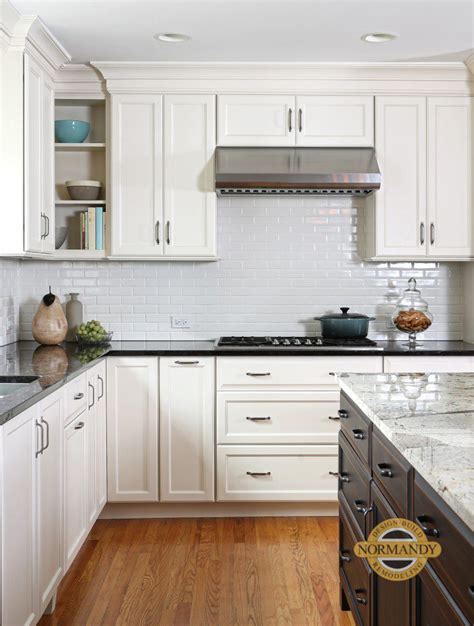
column 411, row 315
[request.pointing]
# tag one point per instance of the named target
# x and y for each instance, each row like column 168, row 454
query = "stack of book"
column 92, row 225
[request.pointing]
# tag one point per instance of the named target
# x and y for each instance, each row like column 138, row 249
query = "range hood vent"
column 296, row 171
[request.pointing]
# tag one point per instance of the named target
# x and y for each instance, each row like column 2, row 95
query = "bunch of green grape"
column 92, row 332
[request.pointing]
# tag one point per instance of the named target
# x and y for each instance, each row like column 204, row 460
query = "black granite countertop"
column 56, row 365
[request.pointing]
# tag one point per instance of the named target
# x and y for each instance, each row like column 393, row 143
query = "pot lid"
column 344, row 315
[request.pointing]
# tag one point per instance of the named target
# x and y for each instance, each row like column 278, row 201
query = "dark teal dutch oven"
column 344, row 325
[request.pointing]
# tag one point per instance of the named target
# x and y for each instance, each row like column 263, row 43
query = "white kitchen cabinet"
column 256, row 120
column 420, row 364
column 96, row 442
column 49, row 494
column 189, row 195
column 450, row 197
column 136, row 175
column 39, row 157
column 132, row 429
column 187, row 429
column 423, row 209
column 20, row 443
column 334, row 121
column 75, row 487
column 276, row 473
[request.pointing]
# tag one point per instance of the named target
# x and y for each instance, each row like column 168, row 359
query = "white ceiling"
column 262, row 30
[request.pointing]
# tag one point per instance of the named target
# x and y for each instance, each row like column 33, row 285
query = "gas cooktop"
column 234, row 343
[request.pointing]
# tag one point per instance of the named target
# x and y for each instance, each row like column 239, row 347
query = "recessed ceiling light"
column 379, row 37
column 172, row 37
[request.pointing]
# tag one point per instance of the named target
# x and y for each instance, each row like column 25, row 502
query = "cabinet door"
column 47, row 139
column 49, row 499
column 256, row 120
column 335, row 121
column 75, row 487
column 187, row 429
column 189, row 197
column 92, row 444
column 35, row 223
column 18, row 518
column 132, row 429
column 136, row 175
column 449, row 177
column 101, row 436
column 400, row 141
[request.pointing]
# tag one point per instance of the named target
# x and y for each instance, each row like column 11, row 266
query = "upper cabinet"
column 163, row 202
column 424, row 206
column 261, row 120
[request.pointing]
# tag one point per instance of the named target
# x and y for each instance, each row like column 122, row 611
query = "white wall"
column 283, row 261
column 9, row 300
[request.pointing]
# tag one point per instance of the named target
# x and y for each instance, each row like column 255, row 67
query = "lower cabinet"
column 132, row 429
column 96, row 442
column 75, row 487
column 434, row 606
column 187, row 429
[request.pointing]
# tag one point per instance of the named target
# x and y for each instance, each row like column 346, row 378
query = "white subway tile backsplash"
column 282, row 261
column 9, row 300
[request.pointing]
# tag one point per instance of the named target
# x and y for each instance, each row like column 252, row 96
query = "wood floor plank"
column 204, row 572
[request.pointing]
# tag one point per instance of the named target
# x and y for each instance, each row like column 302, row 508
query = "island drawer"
column 391, row 472
column 356, row 427
column 299, row 373
column 273, row 473
column 357, row 574
column 76, row 397
column 277, row 417
column 434, row 607
column 354, row 483
column 454, row 565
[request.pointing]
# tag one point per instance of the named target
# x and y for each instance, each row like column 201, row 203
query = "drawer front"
column 391, row 472
column 354, row 483
column 433, row 606
column 454, row 565
column 357, row 429
column 276, row 473
column 277, row 417
column 357, row 573
column 76, row 397
column 300, row 373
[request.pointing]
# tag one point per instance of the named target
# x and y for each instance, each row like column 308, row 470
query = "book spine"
column 99, row 228
column 91, row 231
column 82, row 231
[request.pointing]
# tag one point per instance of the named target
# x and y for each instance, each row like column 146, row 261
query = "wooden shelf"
column 79, row 202
column 63, row 147
column 79, row 255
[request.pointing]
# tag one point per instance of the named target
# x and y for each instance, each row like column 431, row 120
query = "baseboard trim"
column 158, row 510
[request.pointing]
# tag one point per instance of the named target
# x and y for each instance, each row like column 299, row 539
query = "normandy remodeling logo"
column 397, row 549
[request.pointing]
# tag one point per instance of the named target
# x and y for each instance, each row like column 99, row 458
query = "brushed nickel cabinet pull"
column 40, row 450
column 157, row 232
column 46, row 217
column 258, row 419
column 422, row 233
column 186, row 362
column 432, row 233
column 290, row 116
column 43, row 421
column 101, row 387
column 257, row 474
column 300, row 120
column 168, row 232
column 258, row 373
column 93, row 396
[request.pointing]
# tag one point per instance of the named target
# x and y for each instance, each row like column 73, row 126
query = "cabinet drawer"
column 454, row 565
column 354, row 483
column 357, row 574
column 76, row 397
column 434, row 607
column 357, row 428
column 272, row 473
column 300, row 373
column 277, row 417
column 391, row 472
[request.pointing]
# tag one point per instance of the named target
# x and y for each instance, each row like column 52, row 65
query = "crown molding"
column 79, row 79
column 449, row 78
column 9, row 16
column 470, row 63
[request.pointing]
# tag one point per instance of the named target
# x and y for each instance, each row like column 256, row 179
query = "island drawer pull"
column 471, row 590
column 341, row 477
column 256, row 474
column 384, row 470
column 78, row 396
column 343, row 414
column 421, row 520
column 344, row 557
column 359, row 598
column 358, row 434
column 360, row 508
column 258, row 419
column 258, row 373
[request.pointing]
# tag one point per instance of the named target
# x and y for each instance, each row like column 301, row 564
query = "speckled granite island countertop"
column 429, row 418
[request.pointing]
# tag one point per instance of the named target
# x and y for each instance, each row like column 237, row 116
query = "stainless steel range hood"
column 328, row 171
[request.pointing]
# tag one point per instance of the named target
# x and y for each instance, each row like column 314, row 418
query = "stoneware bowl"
column 71, row 131
column 60, row 236
column 83, row 189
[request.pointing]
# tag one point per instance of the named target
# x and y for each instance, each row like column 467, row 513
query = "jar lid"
column 412, row 286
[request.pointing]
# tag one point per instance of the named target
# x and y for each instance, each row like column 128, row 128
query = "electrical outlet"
column 178, row 321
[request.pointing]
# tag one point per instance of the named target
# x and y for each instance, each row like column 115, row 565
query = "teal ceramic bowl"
column 71, row 131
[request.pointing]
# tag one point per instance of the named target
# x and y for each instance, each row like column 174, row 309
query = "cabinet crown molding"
column 470, row 63
column 31, row 34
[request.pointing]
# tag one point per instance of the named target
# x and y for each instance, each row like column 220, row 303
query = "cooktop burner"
column 296, row 342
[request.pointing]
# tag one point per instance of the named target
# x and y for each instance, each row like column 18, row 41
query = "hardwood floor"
column 199, row 572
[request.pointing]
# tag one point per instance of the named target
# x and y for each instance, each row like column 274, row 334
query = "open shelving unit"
column 79, row 161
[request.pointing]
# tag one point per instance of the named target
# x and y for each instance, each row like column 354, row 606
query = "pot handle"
column 372, row 319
